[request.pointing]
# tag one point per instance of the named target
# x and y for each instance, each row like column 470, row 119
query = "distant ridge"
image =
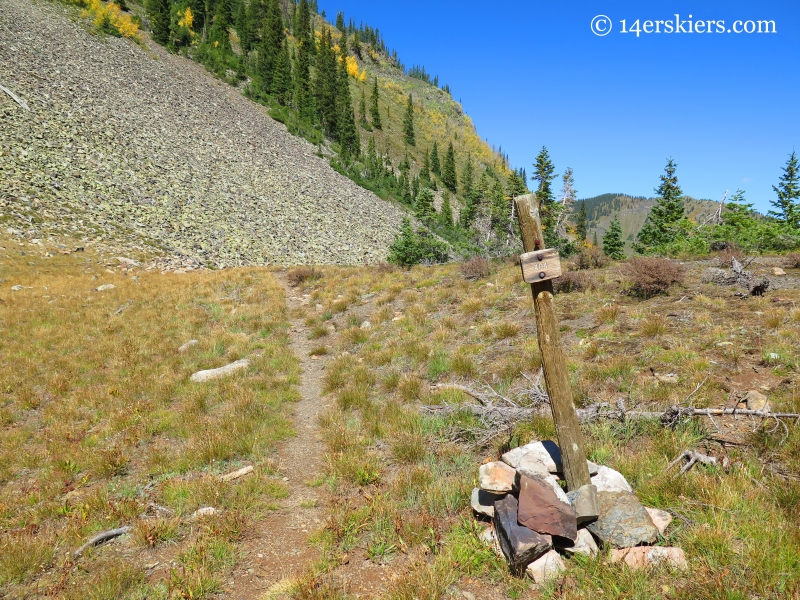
column 632, row 212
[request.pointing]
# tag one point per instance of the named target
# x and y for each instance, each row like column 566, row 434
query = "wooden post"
column 554, row 360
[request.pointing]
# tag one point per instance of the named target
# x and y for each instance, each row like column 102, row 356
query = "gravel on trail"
column 128, row 143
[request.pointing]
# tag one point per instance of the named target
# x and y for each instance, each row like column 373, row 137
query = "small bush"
column 300, row 275
column 417, row 247
column 590, row 258
column 652, row 276
column 792, row 261
column 573, row 281
column 476, row 267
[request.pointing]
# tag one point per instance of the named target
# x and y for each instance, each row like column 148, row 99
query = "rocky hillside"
column 128, row 143
column 632, row 212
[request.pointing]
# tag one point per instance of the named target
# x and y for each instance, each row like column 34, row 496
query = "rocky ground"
column 128, row 143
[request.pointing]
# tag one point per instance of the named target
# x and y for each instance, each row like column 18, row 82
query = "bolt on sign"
column 540, row 265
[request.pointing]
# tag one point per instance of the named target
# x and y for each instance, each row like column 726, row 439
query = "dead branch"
column 745, row 279
column 101, row 538
column 461, row 388
column 692, row 457
column 15, row 98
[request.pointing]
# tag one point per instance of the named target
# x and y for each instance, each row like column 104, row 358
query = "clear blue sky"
column 726, row 107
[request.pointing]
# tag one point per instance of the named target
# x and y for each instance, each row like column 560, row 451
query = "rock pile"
column 534, row 522
column 133, row 146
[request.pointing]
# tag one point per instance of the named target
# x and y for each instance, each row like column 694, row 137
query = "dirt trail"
column 278, row 549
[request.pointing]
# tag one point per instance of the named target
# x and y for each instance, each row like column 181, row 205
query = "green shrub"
column 412, row 247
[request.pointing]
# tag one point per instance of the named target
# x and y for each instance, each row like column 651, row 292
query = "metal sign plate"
column 540, row 265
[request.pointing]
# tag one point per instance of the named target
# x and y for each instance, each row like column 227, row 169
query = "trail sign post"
column 539, row 267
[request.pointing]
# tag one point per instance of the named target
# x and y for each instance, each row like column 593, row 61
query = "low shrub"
column 574, row 281
column 792, row 261
column 476, row 267
column 652, row 276
column 300, row 275
column 590, row 258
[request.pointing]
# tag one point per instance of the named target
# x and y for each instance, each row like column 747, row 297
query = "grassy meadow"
column 101, row 426
column 400, row 479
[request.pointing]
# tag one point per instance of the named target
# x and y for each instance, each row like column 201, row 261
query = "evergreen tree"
column 362, row 110
column 449, row 178
column 500, row 209
column 594, row 239
column 788, row 191
column 446, row 215
column 515, row 186
column 661, row 226
column 303, row 99
column 340, row 22
column 468, row 178
column 326, row 85
column 567, row 203
column 580, row 224
column 425, row 171
column 544, row 173
column 408, row 123
column 423, row 206
column 435, row 164
column 158, row 11
column 613, row 246
column 374, row 111
column 281, row 86
column 357, row 44
column 346, row 132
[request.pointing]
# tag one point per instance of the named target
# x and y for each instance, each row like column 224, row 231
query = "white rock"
column 669, row 378
column 643, row 556
column 661, row 518
column 483, row 502
column 366, row 325
column 489, row 537
column 496, row 477
column 104, row 287
column 545, row 453
column 756, row 401
column 202, row 376
column 206, row 511
column 188, row 345
column 16, row 288
column 584, row 544
column 778, row 272
column 127, row 261
column 609, row 480
column 546, row 567
column 236, row 474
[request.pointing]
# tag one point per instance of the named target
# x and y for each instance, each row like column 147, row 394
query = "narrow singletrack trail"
column 277, row 551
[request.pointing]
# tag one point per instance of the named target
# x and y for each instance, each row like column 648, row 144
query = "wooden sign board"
column 540, row 265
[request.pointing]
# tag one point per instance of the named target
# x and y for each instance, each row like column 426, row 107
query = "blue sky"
column 614, row 108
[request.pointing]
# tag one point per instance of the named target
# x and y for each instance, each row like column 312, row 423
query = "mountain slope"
column 131, row 143
column 632, row 212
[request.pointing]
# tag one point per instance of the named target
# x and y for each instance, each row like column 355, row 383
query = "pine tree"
column 362, row 110
column 500, row 209
column 567, row 203
column 544, row 173
column 661, row 226
column 408, row 123
column 788, row 191
column 303, row 99
column 613, row 246
column 346, row 132
column 423, row 206
column 446, row 215
column 374, row 111
column 357, row 44
column 594, row 239
column 449, row 178
column 515, row 186
column 435, row 165
column 281, row 86
column 158, row 12
column 468, row 178
column 425, row 171
column 580, row 224
column 326, row 84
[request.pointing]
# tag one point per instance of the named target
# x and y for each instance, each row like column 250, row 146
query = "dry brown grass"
column 100, row 419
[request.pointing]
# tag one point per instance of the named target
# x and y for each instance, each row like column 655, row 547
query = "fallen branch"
column 101, row 538
column 692, row 457
column 461, row 388
column 15, row 98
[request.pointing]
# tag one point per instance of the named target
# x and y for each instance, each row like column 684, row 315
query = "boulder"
column 718, row 276
column 104, row 287
column 584, row 544
column 489, row 538
column 496, row 477
column 546, row 454
column 778, row 272
column 661, row 518
column 541, row 510
column 552, row 480
column 188, row 345
column 546, row 567
column 756, row 401
column 584, row 501
column 623, row 521
column 210, row 374
column 483, row 501
column 520, row 545
column 609, row 480
column 644, row 556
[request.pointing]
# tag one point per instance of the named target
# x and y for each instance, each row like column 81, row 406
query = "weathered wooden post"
column 539, row 267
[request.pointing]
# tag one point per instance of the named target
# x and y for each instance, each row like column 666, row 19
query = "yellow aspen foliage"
column 338, row 51
column 187, row 20
column 352, row 66
column 111, row 16
column 363, row 77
